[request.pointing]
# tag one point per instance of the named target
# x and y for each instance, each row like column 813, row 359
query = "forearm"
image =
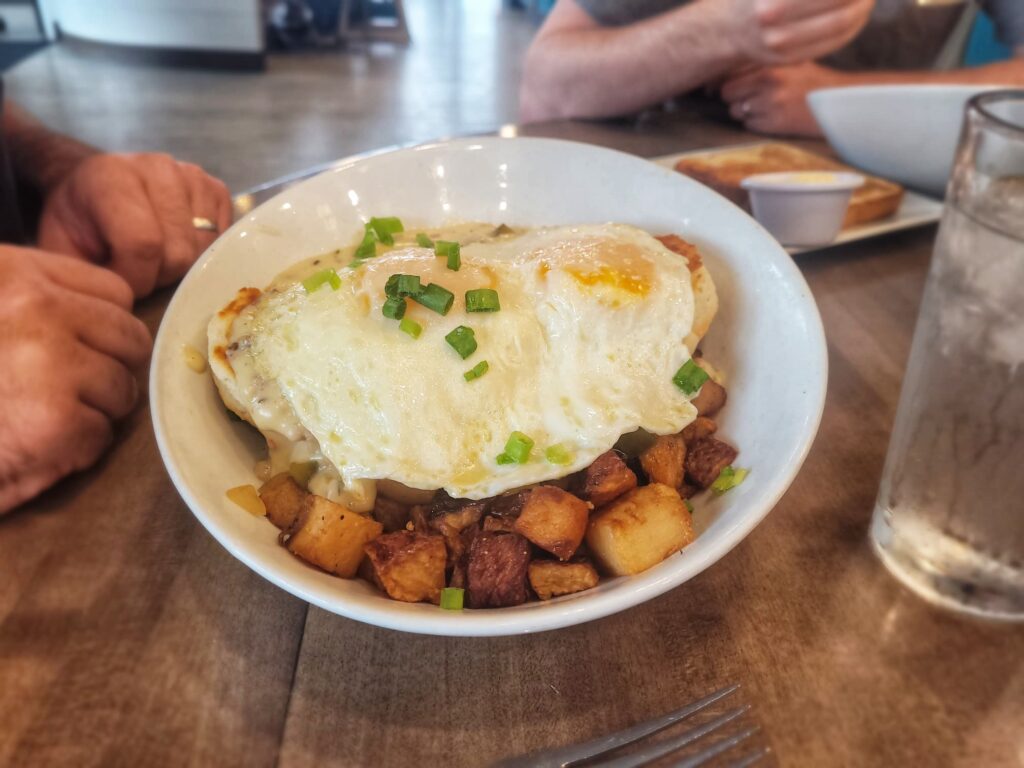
column 602, row 72
column 1009, row 73
column 41, row 158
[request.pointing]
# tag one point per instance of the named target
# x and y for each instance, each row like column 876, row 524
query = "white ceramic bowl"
column 907, row 133
column 802, row 208
column 767, row 338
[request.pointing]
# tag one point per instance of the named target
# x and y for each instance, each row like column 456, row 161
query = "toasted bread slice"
column 724, row 169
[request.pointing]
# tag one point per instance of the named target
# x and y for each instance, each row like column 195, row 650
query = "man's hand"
column 133, row 214
column 774, row 32
column 774, row 100
column 69, row 341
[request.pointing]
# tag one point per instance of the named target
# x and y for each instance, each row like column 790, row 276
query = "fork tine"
column 750, row 759
column 717, row 748
column 561, row 757
column 667, row 747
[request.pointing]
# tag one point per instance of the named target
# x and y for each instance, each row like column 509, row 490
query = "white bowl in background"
column 907, row 133
column 802, row 208
column 767, row 338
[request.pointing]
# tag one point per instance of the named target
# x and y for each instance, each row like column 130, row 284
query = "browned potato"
column 503, row 524
column 409, row 566
column 496, row 575
column 605, row 479
column 701, row 427
column 283, row 498
column 710, row 399
column 461, row 564
column 551, row 579
column 554, row 520
column 331, row 536
column 663, row 461
column 393, row 515
column 449, row 517
column 706, row 458
column 639, row 530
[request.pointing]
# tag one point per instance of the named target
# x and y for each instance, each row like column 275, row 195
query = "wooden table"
column 129, row 637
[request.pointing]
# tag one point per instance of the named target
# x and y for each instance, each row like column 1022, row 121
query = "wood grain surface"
column 129, row 637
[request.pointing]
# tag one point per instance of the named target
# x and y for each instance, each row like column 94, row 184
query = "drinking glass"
column 949, row 520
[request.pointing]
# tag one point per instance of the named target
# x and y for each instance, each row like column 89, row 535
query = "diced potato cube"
column 393, row 515
column 496, row 575
column 283, row 498
column 551, row 579
column 706, row 458
column 700, row 428
column 246, row 497
column 639, row 530
column 710, row 399
column 331, row 536
column 663, row 461
column 554, row 520
column 604, row 480
column 409, row 566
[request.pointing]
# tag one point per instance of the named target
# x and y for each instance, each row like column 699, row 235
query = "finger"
column 775, row 12
column 209, row 199
column 90, row 435
column 763, row 124
column 750, row 108
column 745, row 86
column 821, row 34
column 169, row 195
column 128, row 224
column 105, row 384
column 109, row 330
column 83, row 277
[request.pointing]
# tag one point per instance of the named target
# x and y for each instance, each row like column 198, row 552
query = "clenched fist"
column 68, row 344
column 773, row 32
column 134, row 214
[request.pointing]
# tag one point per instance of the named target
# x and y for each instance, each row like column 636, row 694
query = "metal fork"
column 563, row 757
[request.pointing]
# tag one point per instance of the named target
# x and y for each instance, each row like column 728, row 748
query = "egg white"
column 594, row 322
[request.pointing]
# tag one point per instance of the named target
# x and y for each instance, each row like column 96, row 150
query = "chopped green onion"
column 302, row 471
column 517, row 449
column 557, row 454
column 423, row 241
column 462, row 340
column 402, row 285
column 320, row 279
column 436, row 298
column 451, row 598
column 394, row 308
column 451, row 251
column 728, row 478
column 386, row 228
column 689, row 506
column 690, row 378
column 482, row 300
column 367, row 249
column 476, row 371
column 410, row 327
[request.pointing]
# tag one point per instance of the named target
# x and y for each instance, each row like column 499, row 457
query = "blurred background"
column 278, row 85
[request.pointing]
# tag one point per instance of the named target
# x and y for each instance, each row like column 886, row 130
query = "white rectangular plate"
column 916, row 210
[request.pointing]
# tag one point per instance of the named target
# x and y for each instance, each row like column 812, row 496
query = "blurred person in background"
column 602, row 58
column 111, row 229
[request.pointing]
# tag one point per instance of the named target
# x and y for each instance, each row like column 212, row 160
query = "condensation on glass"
column 949, row 520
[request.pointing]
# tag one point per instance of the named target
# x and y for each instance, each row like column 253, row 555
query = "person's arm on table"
column 132, row 213
column 774, row 100
column 578, row 68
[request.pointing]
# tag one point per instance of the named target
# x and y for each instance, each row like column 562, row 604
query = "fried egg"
column 594, row 321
